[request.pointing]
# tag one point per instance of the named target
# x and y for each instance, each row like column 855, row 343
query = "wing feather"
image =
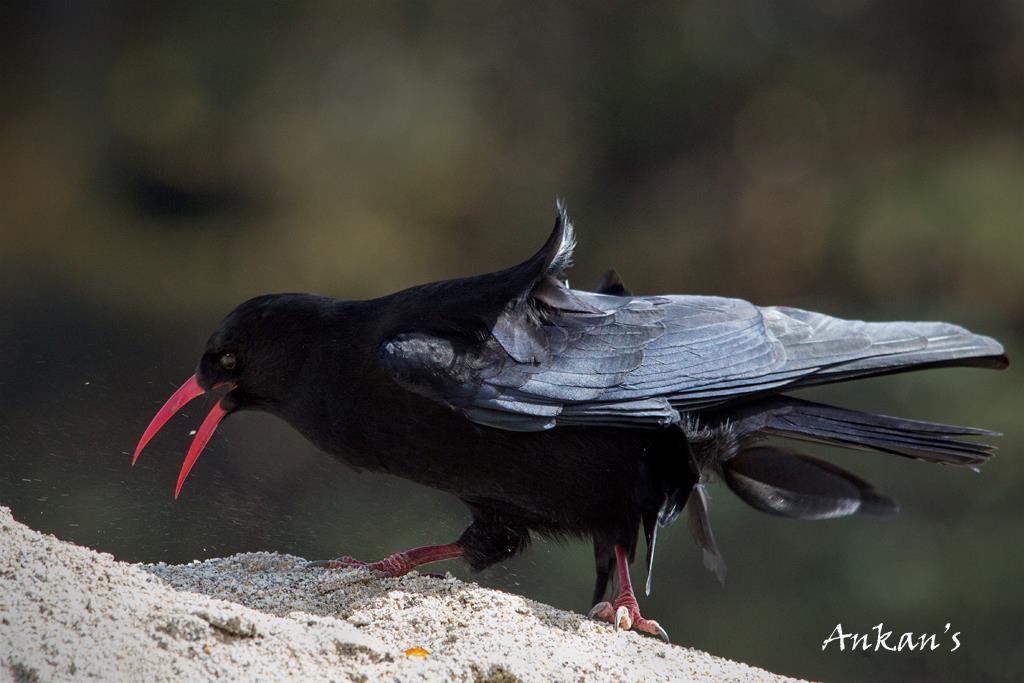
column 640, row 361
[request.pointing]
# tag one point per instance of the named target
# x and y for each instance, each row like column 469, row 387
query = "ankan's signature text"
column 879, row 639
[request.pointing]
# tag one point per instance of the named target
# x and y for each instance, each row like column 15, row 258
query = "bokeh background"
column 159, row 163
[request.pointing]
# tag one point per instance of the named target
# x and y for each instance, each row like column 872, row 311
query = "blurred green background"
column 163, row 162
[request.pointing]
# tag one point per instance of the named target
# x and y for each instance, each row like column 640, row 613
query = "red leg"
column 398, row 564
column 624, row 613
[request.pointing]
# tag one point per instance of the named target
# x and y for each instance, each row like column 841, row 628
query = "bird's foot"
column 395, row 565
column 624, row 614
column 390, row 567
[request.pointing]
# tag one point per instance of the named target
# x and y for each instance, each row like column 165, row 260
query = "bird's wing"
column 530, row 373
column 557, row 356
column 716, row 350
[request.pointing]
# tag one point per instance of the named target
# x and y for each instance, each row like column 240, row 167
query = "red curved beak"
column 185, row 393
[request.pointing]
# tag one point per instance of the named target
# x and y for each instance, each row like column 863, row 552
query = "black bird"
column 549, row 410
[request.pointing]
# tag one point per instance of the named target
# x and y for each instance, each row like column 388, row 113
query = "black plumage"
column 557, row 411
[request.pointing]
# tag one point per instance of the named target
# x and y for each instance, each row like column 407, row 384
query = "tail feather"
column 788, row 484
column 799, row 419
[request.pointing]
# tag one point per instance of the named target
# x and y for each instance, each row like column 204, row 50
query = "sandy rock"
column 70, row 613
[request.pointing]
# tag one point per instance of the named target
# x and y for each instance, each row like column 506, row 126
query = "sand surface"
column 69, row 613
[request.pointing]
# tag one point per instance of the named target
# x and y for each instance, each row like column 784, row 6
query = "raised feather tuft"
column 563, row 257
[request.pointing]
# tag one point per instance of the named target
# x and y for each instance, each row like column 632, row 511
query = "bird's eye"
column 228, row 361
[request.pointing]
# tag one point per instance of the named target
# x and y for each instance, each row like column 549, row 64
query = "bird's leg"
column 398, row 564
column 624, row 613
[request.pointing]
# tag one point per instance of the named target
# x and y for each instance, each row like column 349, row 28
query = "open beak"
column 185, row 393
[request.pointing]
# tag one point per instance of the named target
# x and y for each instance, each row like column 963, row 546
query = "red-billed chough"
column 552, row 410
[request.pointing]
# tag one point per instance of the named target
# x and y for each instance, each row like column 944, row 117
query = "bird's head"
column 255, row 353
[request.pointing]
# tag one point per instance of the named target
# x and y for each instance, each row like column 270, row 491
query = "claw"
column 651, row 628
column 622, row 620
column 432, row 575
column 317, row 564
column 602, row 611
